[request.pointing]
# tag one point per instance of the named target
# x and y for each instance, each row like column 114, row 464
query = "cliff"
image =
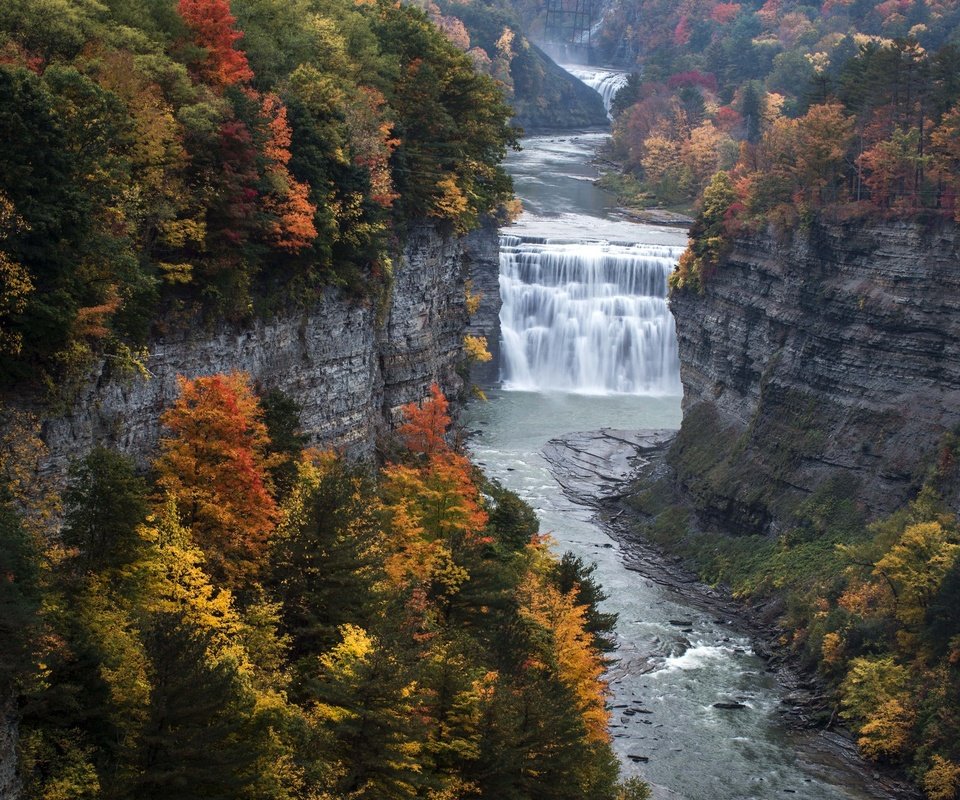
column 547, row 98
column 831, row 355
column 349, row 370
column 482, row 254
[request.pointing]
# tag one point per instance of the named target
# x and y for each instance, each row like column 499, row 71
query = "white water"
column 587, row 316
column 604, row 82
column 694, row 750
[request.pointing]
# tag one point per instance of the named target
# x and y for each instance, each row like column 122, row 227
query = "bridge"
column 569, row 27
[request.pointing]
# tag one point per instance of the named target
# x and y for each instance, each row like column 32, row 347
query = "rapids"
column 588, row 342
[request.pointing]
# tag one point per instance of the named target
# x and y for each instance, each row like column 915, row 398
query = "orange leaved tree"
column 213, row 29
column 213, row 464
column 434, row 506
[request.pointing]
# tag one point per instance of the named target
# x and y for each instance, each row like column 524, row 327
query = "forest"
column 850, row 109
column 169, row 162
column 253, row 619
column 242, row 616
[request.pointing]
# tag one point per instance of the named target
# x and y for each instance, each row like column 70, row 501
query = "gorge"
column 554, row 310
column 356, row 445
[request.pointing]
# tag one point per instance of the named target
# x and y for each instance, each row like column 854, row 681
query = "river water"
column 668, row 676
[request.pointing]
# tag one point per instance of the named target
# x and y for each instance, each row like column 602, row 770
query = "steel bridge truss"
column 570, row 22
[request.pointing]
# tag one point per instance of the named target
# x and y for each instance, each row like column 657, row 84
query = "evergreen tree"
column 324, row 560
column 105, row 504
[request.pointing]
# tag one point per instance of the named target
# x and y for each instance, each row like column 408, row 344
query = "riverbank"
column 601, row 469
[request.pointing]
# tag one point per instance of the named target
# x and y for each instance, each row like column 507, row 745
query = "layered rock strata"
column 350, row 366
column 831, row 355
column 482, row 254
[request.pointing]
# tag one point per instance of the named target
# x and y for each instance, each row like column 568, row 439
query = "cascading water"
column 585, row 313
column 587, row 317
column 603, row 81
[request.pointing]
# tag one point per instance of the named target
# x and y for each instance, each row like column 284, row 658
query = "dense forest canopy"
column 257, row 620
column 851, row 106
column 197, row 155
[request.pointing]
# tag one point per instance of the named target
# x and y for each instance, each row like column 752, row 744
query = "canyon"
column 831, row 354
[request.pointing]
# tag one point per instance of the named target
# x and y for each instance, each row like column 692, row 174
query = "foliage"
column 871, row 606
column 851, row 105
column 710, row 239
column 397, row 634
column 203, row 156
column 213, row 465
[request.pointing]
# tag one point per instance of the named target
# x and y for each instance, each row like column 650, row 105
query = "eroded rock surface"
column 833, row 354
column 595, row 466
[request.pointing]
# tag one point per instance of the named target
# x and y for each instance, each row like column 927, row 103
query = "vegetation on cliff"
column 543, row 95
column 872, row 606
column 851, row 106
column 210, row 631
column 170, row 158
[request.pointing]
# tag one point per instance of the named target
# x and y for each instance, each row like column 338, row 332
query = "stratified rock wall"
column 834, row 353
column 482, row 254
column 349, row 368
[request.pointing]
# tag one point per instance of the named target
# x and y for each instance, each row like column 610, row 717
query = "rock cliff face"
column 834, row 355
column 350, row 370
column 482, row 253
column 547, row 98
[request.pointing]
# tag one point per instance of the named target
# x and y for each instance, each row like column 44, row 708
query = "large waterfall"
column 586, row 316
column 605, row 82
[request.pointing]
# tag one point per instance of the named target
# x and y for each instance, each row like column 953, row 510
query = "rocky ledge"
column 600, row 469
column 831, row 354
column 348, row 365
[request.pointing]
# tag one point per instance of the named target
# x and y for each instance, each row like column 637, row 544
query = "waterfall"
column 587, row 317
column 603, row 81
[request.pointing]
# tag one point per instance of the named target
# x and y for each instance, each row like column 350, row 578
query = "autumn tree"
column 287, row 199
column 213, row 29
column 213, row 465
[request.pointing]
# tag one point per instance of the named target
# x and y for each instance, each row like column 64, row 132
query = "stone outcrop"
column 482, row 254
column 547, row 98
column 833, row 355
column 349, row 365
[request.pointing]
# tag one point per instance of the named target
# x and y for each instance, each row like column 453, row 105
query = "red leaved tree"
column 212, row 26
column 288, row 200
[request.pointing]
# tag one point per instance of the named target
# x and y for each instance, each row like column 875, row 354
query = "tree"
column 367, row 707
column 281, row 415
column 709, row 239
column 214, row 466
column 572, row 575
column 945, row 154
column 288, row 199
column 212, row 25
column 425, row 425
column 197, row 741
column 875, row 696
column 325, row 559
column 916, row 567
column 570, row 652
column 19, row 600
column 106, row 502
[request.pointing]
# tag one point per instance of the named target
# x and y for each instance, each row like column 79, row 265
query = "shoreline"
column 598, row 469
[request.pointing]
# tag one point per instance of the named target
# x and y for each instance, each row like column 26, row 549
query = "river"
column 587, row 344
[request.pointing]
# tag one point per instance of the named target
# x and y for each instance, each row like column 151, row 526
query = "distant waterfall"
column 603, row 81
column 587, row 317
